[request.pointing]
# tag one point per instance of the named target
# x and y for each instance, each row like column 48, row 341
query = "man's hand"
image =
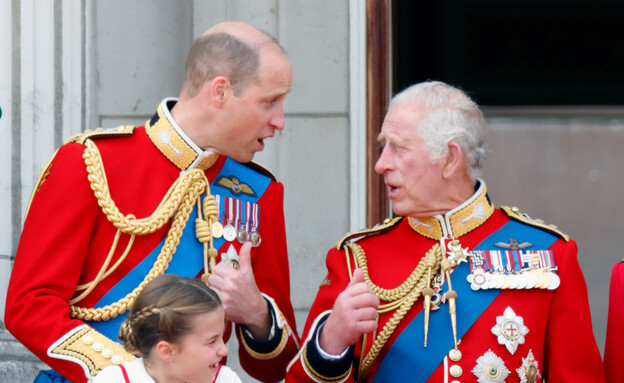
column 354, row 314
column 240, row 295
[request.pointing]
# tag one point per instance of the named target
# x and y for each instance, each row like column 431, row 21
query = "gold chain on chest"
column 178, row 201
column 402, row 297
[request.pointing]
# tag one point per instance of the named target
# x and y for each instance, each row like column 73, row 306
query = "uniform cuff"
column 326, row 367
column 266, row 348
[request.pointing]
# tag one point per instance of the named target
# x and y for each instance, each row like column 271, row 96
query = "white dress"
column 137, row 374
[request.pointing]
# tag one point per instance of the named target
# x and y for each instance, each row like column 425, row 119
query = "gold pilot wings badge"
column 234, row 185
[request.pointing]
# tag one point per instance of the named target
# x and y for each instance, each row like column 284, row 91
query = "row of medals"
column 230, row 233
column 535, row 278
column 529, row 279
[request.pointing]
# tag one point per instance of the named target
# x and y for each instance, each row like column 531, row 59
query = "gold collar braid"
column 403, row 296
column 178, row 201
column 174, row 144
column 459, row 221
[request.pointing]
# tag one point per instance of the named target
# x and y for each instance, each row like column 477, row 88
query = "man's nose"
column 382, row 163
column 277, row 120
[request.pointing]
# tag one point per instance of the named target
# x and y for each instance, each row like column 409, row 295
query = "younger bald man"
column 114, row 209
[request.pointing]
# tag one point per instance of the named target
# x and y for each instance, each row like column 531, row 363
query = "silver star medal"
column 490, row 369
column 230, row 258
column 458, row 254
column 529, row 371
column 510, row 330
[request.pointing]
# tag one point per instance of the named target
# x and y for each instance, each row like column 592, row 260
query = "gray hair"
column 448, row 115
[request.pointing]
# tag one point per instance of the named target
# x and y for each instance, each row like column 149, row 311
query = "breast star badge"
column 510, row 330
column 490, row 369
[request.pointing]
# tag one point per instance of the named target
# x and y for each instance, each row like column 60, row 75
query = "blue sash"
column 50, row 376
column 188, row 258
column 408, row 355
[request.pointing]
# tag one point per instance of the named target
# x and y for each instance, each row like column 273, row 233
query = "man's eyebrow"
column 381, row 138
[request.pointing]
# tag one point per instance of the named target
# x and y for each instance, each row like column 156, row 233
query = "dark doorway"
column 529, row 52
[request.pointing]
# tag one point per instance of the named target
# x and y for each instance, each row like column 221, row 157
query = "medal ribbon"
column 230, row 210
column 238, row 214
column 256, row 214
column 218, row 200
column 247, row 215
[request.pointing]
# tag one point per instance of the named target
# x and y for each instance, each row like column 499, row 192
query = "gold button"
column 98, row 347
column 117, row 359
column 107, row 353
column 456, row 371
column 455, row 355
column 88, row 339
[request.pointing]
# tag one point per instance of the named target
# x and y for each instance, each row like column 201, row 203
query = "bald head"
column 246, row 33
column 230, row 49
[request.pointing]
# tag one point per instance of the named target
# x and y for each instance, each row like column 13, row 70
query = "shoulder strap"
column 99, row 132
column 388, row 224
column 515, row 214
column 125, row 374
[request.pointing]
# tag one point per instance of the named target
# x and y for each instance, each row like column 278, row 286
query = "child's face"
column 199, row 352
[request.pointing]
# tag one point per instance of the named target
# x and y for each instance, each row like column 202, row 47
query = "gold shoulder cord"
column 401, row 297
column 179, row 200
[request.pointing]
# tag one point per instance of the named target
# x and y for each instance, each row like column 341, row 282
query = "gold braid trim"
column 165, row 210
column 402, row 297
column 316, row 375
column 276, row 351
column 90, row 349
column 179, row 200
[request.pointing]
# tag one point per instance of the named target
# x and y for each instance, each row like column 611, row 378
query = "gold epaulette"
column 514, row 213
column 99, row 132
column 388, row 224
column 261, row 169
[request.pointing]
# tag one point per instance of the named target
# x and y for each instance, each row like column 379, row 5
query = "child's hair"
column 164, row 311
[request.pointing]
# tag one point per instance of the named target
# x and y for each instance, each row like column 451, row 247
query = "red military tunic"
column 504, row 335
column 67, row 237
column 615, row 326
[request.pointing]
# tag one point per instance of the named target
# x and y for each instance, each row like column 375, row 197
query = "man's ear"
column 165, row 350
column 218, row 89
column 454, row 161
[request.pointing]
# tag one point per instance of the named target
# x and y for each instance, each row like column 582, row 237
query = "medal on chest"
column 229, row 231
column 512, row 269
